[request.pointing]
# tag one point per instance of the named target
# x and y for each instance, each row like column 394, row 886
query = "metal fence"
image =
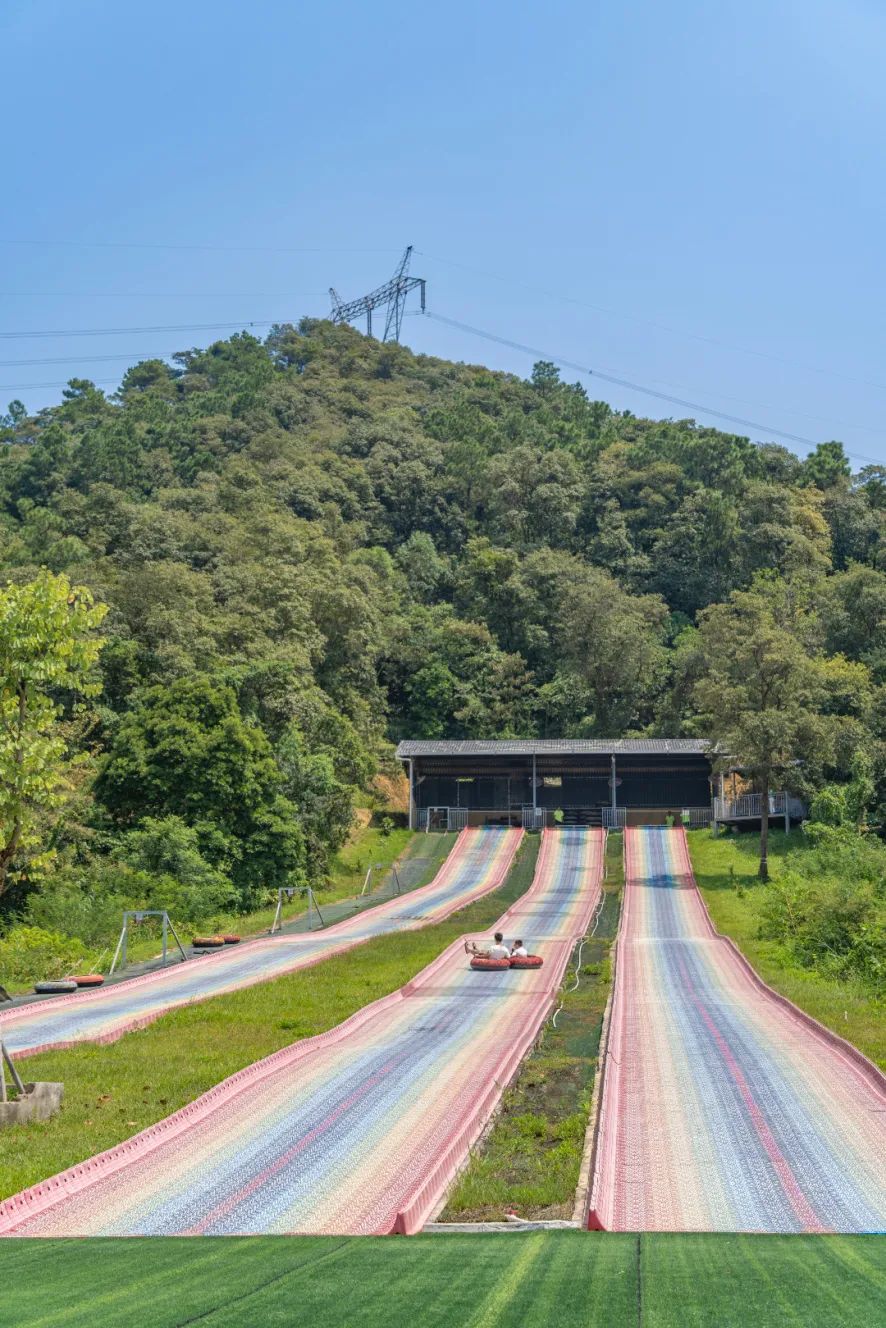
column 614, row 818
column 534, row 818
column 442, row 818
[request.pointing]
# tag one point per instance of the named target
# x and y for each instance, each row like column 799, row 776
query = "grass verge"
column 529, row 1161
column 113, row 1091
column 725, row 869
column 570, row 1279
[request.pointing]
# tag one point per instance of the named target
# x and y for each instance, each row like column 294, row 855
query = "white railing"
column 698, row 817
column 534, row 818
column 614, row 818
column 749, row 807
column 442, row 818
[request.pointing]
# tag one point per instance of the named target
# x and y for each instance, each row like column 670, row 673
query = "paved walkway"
column 724, row 1108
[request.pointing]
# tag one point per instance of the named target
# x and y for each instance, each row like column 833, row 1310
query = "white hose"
column 589, row 936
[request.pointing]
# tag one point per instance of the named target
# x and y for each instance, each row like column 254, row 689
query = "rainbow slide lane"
column 478, row 863
column 360, row 1130
column 724, row 1107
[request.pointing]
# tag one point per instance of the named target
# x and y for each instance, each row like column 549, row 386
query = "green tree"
column 186, row 751
column 48, row 650
column 827, row 466
column 769, row 698
column 613, row 645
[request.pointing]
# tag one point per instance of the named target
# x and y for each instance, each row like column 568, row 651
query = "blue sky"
column 686, row 195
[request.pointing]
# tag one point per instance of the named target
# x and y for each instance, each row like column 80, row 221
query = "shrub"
column 30, row 953
column 828, row 906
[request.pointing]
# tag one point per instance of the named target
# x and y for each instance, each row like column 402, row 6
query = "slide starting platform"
column 724, row 1107
column 478, row 863
column 358, row 1131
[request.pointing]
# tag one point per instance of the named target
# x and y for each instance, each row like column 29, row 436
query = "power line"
column 24, row 387
column 161, row 295
column 208, row 248
column 634, row 387
column 166, row 327
column 136, row 356
column 651, row 322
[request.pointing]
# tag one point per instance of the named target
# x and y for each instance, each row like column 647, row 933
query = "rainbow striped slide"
column 724, row 1107
column 479, row 862
column 360, row 1130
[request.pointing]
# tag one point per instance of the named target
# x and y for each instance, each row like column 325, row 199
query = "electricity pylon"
column 393, row 294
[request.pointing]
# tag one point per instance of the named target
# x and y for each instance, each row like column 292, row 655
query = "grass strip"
column 528, row 1163
column 451, row 1281
column 112, row 1092
column 725, row 869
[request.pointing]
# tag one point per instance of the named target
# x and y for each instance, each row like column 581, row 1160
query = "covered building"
column 573, row 781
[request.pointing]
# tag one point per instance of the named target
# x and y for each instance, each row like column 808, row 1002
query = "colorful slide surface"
column 360, row 1130
column 479, row 862
column 724, row 1107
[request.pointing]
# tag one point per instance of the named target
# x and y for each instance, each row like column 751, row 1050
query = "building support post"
column 411, row 795
column 787, row 815
column 722, row 803
column 534, row 795
column 612, row 781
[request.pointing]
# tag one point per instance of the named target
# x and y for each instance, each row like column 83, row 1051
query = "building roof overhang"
column 701, row 747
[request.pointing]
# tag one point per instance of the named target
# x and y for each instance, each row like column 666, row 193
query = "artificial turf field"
column 551, row 1279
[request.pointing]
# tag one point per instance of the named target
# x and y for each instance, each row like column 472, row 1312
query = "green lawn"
column 725, row 869
column 529, row 1162
column 113, row 1091
column 559, row 1279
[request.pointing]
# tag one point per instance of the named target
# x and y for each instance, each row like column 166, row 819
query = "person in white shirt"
column 498, row 949
column 519, row 951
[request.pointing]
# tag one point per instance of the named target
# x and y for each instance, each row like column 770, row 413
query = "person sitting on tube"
column 519, row 951
column 498, row 949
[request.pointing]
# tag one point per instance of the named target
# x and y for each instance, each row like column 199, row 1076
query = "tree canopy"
column 314, row 545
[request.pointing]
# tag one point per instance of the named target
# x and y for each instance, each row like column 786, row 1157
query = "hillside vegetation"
column 314, row 545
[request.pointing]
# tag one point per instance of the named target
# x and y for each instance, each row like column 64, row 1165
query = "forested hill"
column 319, row 543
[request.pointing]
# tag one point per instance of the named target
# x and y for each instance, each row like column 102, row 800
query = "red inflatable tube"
column 529, row 961
column 483, row 965
column 89, row 980
column 207, row 942
column 231, row 940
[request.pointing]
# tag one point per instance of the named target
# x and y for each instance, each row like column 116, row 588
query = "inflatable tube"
column 231, row 940
column 89, row 980
column 207, row 942
column 55, row 986
column 530, row 961
column 483, row 965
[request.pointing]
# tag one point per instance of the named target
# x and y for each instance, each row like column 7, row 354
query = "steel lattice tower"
column 392, row 294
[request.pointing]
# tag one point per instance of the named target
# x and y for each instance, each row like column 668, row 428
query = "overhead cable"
column 166, row 327
column 633, row 387
column 651, row 322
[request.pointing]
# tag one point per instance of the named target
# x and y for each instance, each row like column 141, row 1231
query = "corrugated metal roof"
column 559, row 747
